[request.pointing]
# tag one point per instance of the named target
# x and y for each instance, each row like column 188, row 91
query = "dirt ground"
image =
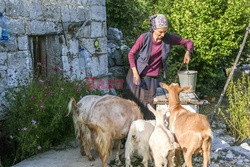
column 70, row 157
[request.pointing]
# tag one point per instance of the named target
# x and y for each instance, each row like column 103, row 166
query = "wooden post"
column 231, row 73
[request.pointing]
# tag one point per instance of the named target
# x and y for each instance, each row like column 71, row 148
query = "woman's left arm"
column 176, row 40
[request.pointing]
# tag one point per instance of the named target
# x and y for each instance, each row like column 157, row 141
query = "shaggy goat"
column 108, row 118
column 81, row 130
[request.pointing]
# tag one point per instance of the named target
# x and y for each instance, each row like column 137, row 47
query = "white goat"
column 137, row 141
column 161, row 141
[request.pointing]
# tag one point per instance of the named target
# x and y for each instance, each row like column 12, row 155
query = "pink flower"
column 51, row 92
column 57, row 69
column 71, row 69
column 39, row 147
column 78, row 90
column 33, row 98
column 45, row 95
column 42, row 106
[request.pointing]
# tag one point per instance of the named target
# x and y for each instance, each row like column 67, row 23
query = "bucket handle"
column 175, row 81
column 187, row 67
column 180, row 70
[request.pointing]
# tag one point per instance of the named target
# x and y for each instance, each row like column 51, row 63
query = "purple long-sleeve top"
column 155, row 60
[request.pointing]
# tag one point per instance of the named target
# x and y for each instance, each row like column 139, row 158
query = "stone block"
column 96, row 29
column 17, row 27
column 97, row 2
column 12, row 78
column 17, row 8
column 73, row 46
column 2, row 76
column 19, row 60
column 88, row 44
column 10, row 46
column 99, row 65
column 66, row 65
column 65, row 13
column 98, row 13
column 103, row 45
column 73, row 13
column 84, row 32
column 42, row 28
column 3, row 68
column 81, row 11
column 2, row 6
column 23, row 43
column 51, row 12
column 36, row 10
column 74, row 67
column 3, row 58
column 81, row 2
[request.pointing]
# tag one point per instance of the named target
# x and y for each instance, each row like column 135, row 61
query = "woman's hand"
column 187, row 57
column 136, row 78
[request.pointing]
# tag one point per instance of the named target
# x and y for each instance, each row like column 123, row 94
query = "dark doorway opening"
column 46, row 53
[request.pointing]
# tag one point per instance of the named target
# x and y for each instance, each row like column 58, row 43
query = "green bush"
column 216, row 28
column 237, row 116
column 128, row 16
column 36, row 117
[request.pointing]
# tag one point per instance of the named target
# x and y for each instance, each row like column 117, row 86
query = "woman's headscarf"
column 158, row 21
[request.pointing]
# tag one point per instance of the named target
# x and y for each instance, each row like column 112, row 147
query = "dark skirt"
column 142, row 94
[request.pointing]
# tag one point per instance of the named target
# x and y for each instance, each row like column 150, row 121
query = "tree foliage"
column 237, row 116
column 216, row 27
column 127, row 15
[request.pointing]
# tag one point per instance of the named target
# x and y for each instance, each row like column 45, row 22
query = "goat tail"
column 72, row 106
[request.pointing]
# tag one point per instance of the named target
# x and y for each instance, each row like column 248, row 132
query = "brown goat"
column 192, row 130
column 109, row 118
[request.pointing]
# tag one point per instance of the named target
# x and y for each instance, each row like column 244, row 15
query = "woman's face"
column 159, row 33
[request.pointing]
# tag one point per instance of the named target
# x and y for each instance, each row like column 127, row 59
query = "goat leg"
column 117, row 159
column 85, row 148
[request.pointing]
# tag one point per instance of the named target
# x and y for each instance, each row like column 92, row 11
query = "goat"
column 191, row 130
column 161, row 141
column 137, row 141
column 108, row 118
column 81, row 130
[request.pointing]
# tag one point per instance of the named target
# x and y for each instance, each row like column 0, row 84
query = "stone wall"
column 75, row 24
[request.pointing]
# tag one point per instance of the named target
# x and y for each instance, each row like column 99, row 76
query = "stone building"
column 51, row 34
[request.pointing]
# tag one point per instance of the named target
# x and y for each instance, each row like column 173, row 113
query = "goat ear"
column 186, row 88
column 163, row 85
column 151, row 109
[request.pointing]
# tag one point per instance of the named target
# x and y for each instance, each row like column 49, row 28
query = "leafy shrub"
column 216, row 28
column 36, row 117
column 237, row 116
column 128, row 16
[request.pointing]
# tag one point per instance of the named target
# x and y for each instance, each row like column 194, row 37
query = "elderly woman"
column 153, row 48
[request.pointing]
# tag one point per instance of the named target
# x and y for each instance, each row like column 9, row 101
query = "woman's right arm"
column 131, row 57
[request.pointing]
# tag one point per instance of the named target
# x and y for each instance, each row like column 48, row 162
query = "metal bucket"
column 187, row 78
